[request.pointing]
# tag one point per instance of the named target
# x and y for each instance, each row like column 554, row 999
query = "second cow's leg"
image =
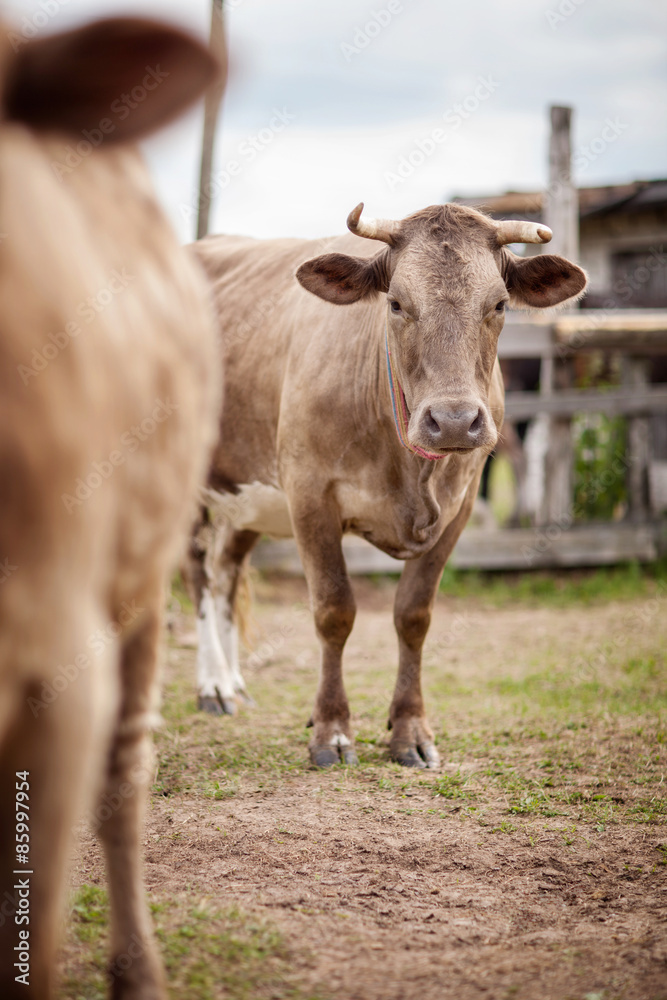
column 230, row 554
column 412, row 741
column 212, row 571
column 318, row 533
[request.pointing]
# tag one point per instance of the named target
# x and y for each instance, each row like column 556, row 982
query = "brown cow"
column 375, row 418
column 109, row 372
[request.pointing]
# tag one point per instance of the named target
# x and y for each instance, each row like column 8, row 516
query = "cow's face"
column 447, row 278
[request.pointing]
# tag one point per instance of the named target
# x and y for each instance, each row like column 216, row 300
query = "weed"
column 204, row 950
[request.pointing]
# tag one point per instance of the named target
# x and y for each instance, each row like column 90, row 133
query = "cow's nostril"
column 477, row 423
column 432, row 424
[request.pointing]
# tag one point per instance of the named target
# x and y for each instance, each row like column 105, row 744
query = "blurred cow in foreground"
column 368, row 406
column 109, row 386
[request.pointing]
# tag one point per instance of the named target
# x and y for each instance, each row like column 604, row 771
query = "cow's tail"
column 243, row 607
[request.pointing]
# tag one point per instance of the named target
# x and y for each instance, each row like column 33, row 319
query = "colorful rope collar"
column 401, row 411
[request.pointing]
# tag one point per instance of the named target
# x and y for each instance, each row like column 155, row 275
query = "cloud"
column 357, row 113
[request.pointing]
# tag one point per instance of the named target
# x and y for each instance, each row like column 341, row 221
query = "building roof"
column 634, row 197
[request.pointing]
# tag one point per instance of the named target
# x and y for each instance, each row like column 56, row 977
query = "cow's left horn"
column 513, row 231
column 373, row 229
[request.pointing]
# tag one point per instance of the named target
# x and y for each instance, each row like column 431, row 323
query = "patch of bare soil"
column 381, row 897
column 376, row 904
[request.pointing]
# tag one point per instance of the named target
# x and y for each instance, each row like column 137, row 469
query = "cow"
column 363, row 397
column 109, row 395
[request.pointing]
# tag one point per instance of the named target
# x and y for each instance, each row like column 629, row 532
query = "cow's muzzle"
column 456, row 427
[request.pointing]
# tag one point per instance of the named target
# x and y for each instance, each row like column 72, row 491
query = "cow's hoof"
column 328, row 755
column 325, row 756
column 430, row 755
column 407, row 756
column 215, row 705
column 421, row 755
column 246, row 699
column 205, row 703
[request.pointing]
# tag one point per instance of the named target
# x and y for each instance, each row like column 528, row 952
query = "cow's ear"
column 121, row 78
column 340, row 278
column 542, row 281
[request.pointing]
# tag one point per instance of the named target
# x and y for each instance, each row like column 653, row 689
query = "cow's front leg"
column 412, row 742
column 319, row 534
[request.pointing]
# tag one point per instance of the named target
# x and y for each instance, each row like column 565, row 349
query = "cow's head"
column 447, row 276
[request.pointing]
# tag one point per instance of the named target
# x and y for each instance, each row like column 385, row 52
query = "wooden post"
column 562, row 216
column 211, row 109
column 634, row 372
column 561, row 205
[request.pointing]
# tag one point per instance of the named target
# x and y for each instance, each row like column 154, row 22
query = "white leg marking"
column 214, row 675
column 228, row 634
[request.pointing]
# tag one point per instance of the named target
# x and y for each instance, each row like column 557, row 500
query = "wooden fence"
column 555, row 538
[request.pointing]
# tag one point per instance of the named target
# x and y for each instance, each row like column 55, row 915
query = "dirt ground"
column 531, row 867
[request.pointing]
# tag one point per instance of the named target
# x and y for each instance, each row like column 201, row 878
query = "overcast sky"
column 403, row 103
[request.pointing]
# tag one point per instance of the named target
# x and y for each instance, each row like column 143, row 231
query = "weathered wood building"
column 622, row 239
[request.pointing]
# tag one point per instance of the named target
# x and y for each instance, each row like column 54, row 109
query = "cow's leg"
column 231, row 551
column 411, row 737
column 54, row 739
column 215, row 680
column 135, row 970
column 319, row 538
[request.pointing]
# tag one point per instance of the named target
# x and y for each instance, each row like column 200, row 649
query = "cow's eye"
column 501, row 306
column 395, row 306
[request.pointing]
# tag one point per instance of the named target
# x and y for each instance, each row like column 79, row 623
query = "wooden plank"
column 548, row 547
column 634, row 374
column 526, row 340
column 552, row 546
column 558, row 470
column 628, row 321
column 547, row 335
column 631, row 331
column 613, row 402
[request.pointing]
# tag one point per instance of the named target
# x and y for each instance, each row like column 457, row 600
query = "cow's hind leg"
column 230, row 554
column 135, row 970
column 412, row 742
column 215, row 680
column 333, row 606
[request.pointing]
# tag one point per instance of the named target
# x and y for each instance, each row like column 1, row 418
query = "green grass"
column 552, row 727
column 609, row 792
column 525, row 729
column 559, row 589
column 204, row 949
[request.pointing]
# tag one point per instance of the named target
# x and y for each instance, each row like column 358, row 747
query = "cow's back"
column 278, row 343
column 258, row 298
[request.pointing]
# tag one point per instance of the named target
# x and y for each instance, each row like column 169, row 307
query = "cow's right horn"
column 373, row 229
column 514, row 231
